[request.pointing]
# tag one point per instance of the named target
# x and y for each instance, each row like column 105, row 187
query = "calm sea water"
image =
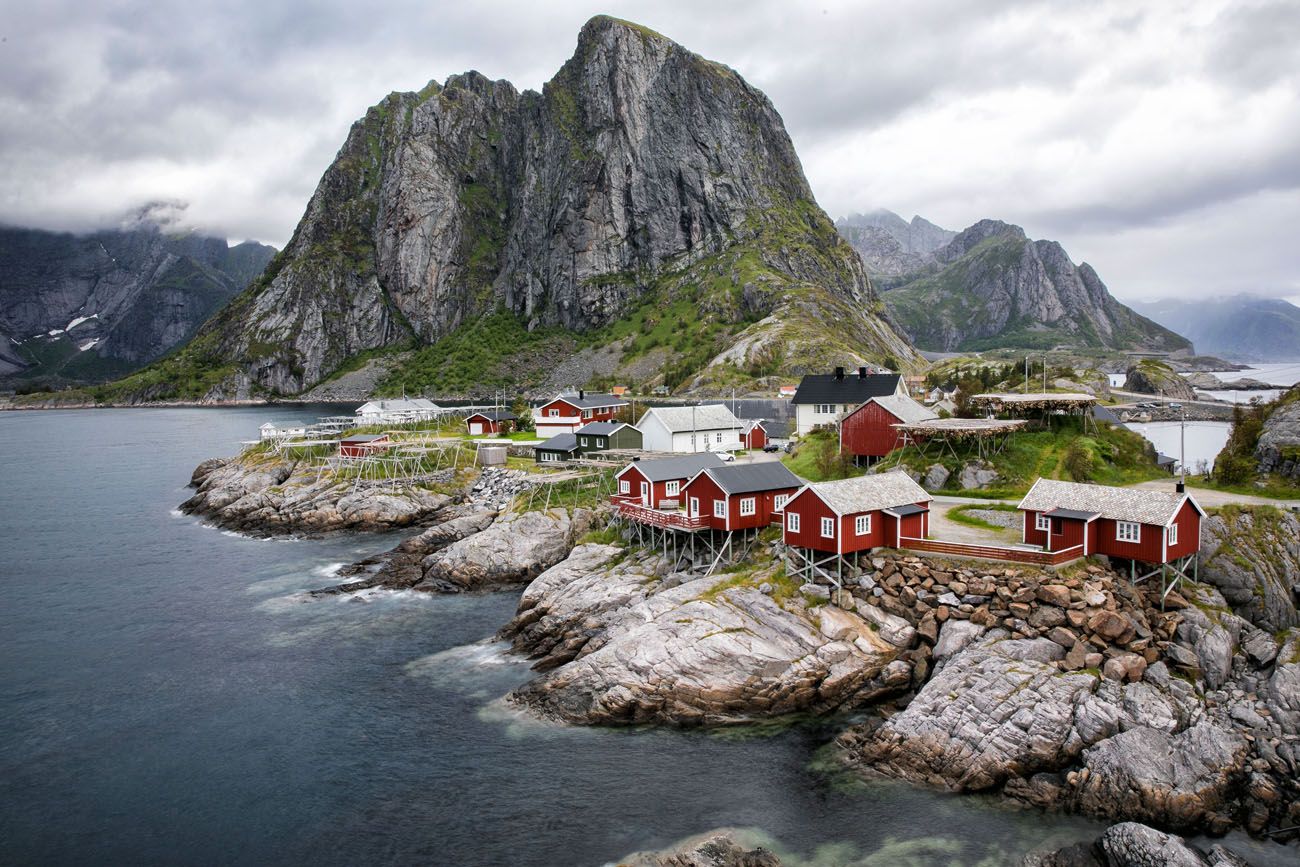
column 168, row 698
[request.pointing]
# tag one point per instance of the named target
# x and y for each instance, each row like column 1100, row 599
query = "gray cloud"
column 1096, row 124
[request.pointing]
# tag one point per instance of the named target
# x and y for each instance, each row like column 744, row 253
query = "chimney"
column 581, row 394
column 862, row 373
column 839, row 374
column 1181, row 487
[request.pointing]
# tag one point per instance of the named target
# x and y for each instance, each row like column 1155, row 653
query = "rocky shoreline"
column 1066, row 690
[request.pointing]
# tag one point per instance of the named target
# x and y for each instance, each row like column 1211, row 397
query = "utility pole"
column 1026, row 374
column 1182, row 446
column 695, row 446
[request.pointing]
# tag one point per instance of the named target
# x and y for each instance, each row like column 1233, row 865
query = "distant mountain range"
column 85, row 308
column 1238, row 327
column 991, row 287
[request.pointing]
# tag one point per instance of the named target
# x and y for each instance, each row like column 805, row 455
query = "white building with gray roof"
column 689, row 428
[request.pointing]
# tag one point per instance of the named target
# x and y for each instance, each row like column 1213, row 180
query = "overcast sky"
column 1159, row 141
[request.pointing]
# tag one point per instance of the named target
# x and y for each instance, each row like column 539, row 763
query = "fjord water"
column 167, row 697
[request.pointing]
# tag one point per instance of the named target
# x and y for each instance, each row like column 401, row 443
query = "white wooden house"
column 689, row 428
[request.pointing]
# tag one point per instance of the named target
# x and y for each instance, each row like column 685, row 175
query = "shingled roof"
column 747, row 478
column 1140, row 505
column 666, row 469
column 680, row 419
column 869, row 493
column 902, row 408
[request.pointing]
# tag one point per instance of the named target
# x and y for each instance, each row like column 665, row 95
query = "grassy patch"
column 961, row 515
column 816, row 459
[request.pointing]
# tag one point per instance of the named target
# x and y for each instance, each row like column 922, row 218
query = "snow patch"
column 80, row 319
column 89, row 344
column 54, row 332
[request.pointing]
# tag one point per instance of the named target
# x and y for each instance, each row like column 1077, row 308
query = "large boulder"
column 1181, row 781
column 401, row 567
column 703, row 652
column 515, row 549
column 1252, row 555
column 977, row 474
column 1158, row 378
column 997, row 710
column 1278, row 447
column 1130, row 844
column 725, row 847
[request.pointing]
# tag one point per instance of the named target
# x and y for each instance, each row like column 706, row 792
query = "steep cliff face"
column 1239, row 327
column 992, row 287
column 640, row 175
column 83, row 307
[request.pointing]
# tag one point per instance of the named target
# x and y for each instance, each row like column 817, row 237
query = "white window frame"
column 695, row 507
column 1128, row 531
column 862, row 525
column 828, row 524
column 672, row 488
column 779, row 501
column 584, row 441
column 719, row 508
column 748, row 507
column 624, row 486
column 586, row 413
column 1172, row 535
column 553, row 413
column 718, row 437
column 1042, row 522
column 792, row 522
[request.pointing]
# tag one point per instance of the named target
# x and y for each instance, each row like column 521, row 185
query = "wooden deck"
column 994, row 552
column 674, row 520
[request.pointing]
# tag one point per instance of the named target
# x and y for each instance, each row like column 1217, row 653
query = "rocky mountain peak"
column 976, row 234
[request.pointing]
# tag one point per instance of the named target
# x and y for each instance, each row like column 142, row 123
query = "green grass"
column 807, row 461
column 961, row 516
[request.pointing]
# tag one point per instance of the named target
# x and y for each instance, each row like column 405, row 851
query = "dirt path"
column 945, row 528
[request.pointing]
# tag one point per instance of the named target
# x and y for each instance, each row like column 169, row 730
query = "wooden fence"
column 994, row 552
column 656, row 517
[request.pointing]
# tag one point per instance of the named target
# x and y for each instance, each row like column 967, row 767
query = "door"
column 645, row 494
column 475, row 428
column 695, row 507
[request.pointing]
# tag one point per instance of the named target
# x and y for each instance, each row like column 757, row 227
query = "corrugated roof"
column 364, row 438
column 403, row 404
column 565, row 442
column 1072, row 514
column 1141, row 505
column 600, row 428
column 665, row 469
column 869, row 493
column 907, row 509
column 852, row 389
column 902, row 408
column 681, row 419
column 747, row 478
column 591, row 401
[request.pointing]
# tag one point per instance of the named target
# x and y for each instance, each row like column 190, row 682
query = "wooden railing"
column 655, row 517
column 994, row 552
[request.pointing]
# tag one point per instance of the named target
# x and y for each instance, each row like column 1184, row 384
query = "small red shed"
column 753, row 435
column 651, row 482
column 1148, row 526
column 857, row 514
column 869, row 432
column 491, row 421
column 360, row 445
column 740, row 496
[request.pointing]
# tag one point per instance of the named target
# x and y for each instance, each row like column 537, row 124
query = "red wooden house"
column 740, row 496
column 567, row 413
column 490, row 421
column 869, row 432
column 650, row 483
column 753, row 435
column 857, row 514
column 360, row 445
column 1147, row 526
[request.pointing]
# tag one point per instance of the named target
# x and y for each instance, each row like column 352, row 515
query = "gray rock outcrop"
column 1158, row 378
column 1278, row 448
column 1252, row 556
column 724, row 847
column 515, row 549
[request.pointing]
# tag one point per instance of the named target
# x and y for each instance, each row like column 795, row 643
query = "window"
column 1127, row 531
column 671, row 488
column 584, row 442
column 624, row 487
column 1172, row 534
column 792, row 522
column 862, row 525
column 779, row 501
column 695, row 507
column 719, row 508
column 824, row 409
column 828, row 528
column 600, row 442
column 553, row 413
column 747, row 506
column 719, row 436
column 1042, row 522
column 586, row 413
column 549, row 456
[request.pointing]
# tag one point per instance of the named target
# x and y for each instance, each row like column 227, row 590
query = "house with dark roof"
column 857, row 514
column 561, row 447
column 740, row 496
column 490, row 421
column 602, row 435
column 823, row 398
column 1136, row 524
column 567, row 412
column 652, row 482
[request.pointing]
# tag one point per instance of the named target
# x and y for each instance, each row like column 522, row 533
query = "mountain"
column 87, row 307
column 1239, row 327
column 646, row 210
column 991, row 287
column 890, row 246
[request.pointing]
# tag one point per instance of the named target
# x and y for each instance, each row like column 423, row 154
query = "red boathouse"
column 361, row 445
column 651, row 483
column 740, row 496
column 491, row 421
column 754, row 435
column 869, row 432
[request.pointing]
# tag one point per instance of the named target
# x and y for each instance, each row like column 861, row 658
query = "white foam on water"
column 464, row 657
column 329, row 570
column 177, row 513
